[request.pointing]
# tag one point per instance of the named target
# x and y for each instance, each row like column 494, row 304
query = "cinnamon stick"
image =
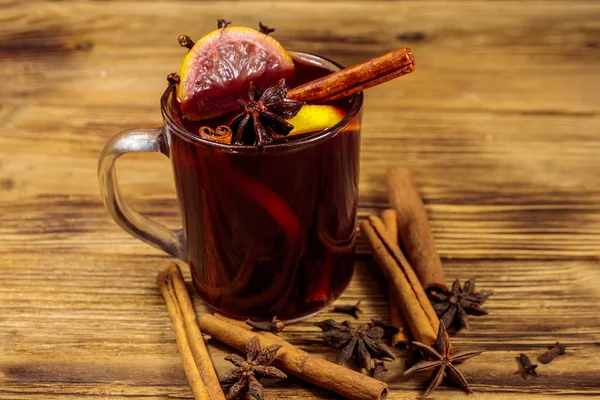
column 346, row 382
column 357, row 78
column 187, row 359
column 413, row 228
column 409, row 294
column 199, row 351
column 390, row 221
column 403, row 337
column 197, row 365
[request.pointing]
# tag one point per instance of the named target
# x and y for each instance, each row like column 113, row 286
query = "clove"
column 350, row 310
column 173, row 78
column 265, row 29
column 223, row 23
column 557, row 350
column 274, row 325
column 186, row 41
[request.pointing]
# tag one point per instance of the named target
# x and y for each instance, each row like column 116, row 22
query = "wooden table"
column 500, row 124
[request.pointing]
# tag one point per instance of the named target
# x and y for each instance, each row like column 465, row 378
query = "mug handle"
column 136, row 224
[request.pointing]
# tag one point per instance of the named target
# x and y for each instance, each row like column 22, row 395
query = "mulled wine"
column 270, row 231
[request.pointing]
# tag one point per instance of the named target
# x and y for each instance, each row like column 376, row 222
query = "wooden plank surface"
column 500, row 124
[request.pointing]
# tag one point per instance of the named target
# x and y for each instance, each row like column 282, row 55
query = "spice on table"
column 379, row 370
column 242, row 324
column 440, row 356
column 363, row 343
column 256, row 366
column 410, row 296
column 348, row 309
column 197, row 364
column 274, row 325
column 454, row 306
column 528, row 367
column 292, row 360
column 413, row 228
column 402, row 337
column 389, row 217
column 558, row 349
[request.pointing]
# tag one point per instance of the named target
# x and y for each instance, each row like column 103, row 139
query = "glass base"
column 289, row 321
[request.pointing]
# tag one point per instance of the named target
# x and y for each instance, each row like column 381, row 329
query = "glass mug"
column 266, row 232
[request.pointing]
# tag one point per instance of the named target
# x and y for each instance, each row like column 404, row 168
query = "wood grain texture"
column 499, row 124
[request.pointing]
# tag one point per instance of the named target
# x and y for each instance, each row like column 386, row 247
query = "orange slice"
column 219, row 68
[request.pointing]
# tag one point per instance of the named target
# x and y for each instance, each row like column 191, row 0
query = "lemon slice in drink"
column 315, row 118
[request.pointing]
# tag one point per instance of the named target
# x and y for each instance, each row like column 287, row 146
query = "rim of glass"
column 316, row 137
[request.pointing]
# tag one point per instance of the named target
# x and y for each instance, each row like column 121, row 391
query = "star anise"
column 255, row 366
column 454, row 306
column 438, row 356
column 364, row 342
column 268, row 112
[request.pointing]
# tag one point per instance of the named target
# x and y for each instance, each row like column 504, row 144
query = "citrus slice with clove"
column 218, row 69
